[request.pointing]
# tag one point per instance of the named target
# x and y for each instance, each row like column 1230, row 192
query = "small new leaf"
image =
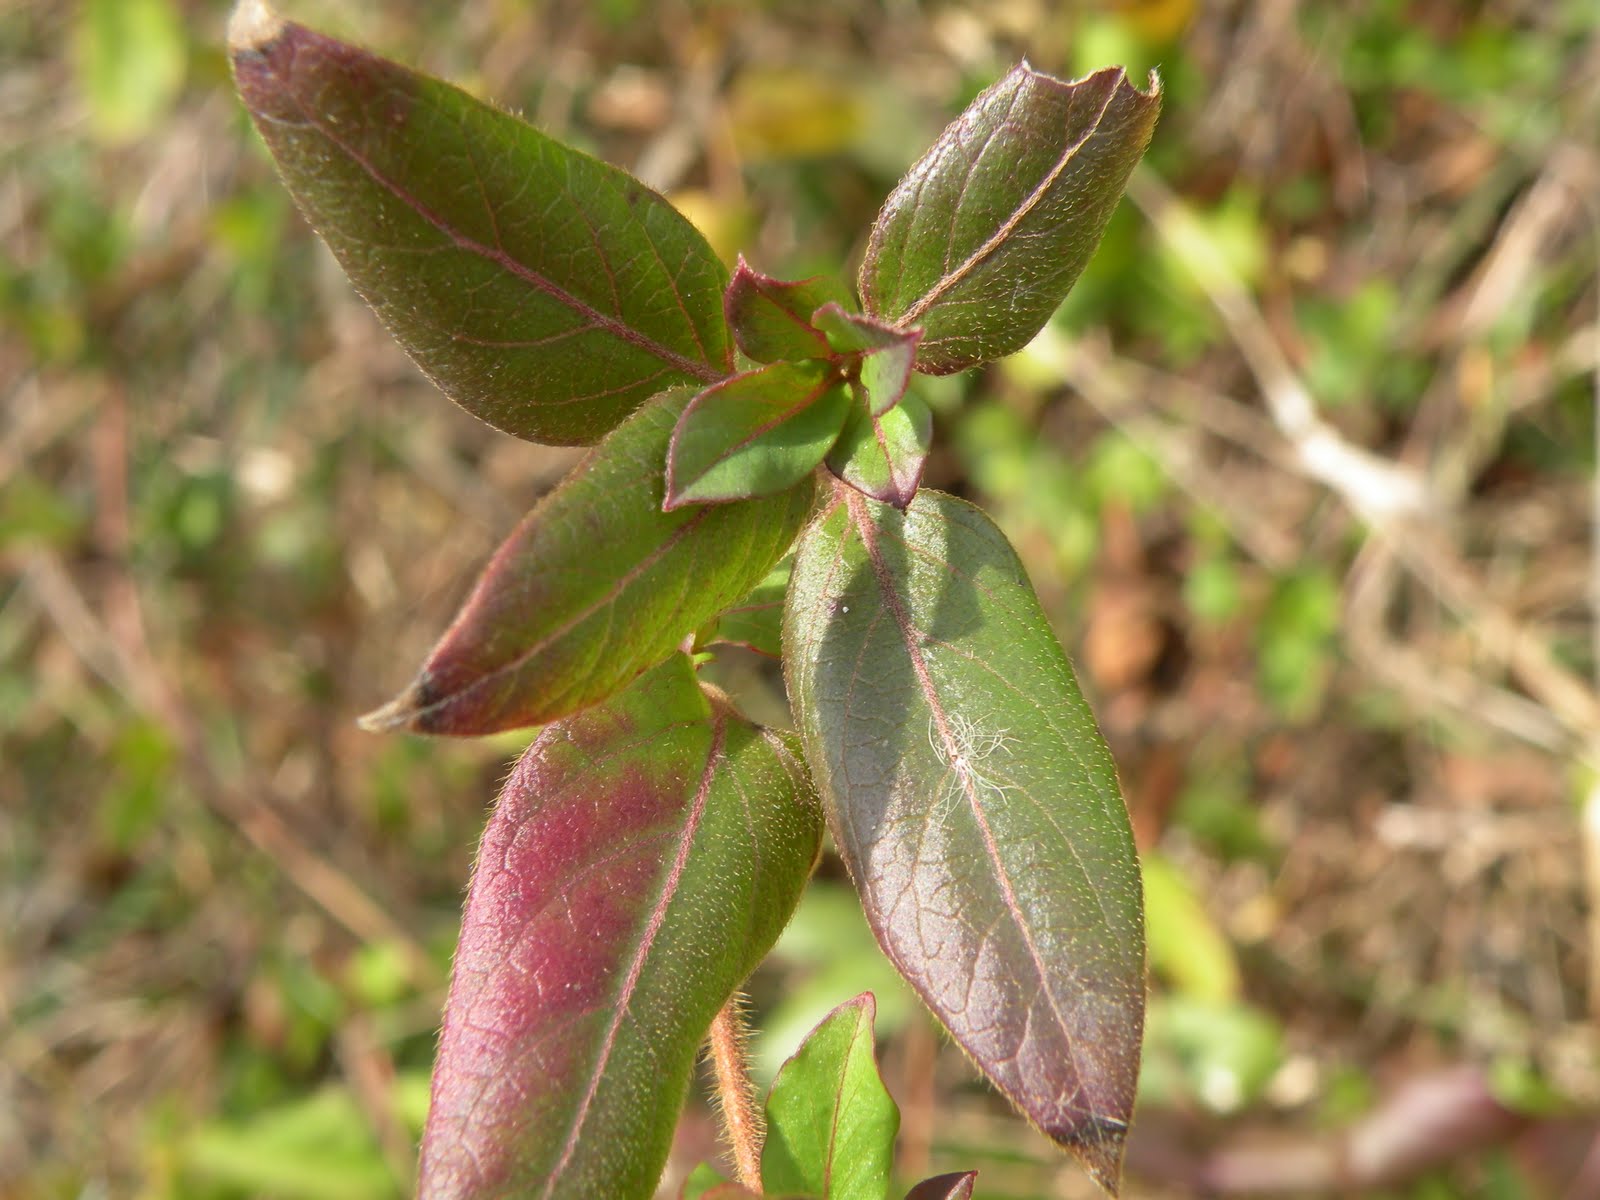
column 771, row 318
column 955, row 1186
column 883, row 456
column 987, row 233
column 830, row 1121
column 756, row 434
column 885, row 354
column 544, row 291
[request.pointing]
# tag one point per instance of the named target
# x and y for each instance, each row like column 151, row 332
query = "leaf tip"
column 253, row 26
column 399, row 713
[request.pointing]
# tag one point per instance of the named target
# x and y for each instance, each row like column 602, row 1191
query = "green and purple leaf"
column 955, row 1186
column 883, row 456
column 595, row 586
column 975, row 804
column 544, row 291
column 986, row 234
column 756, row 434
column 642, row 859
column 771, row 318
column 886, row 351
column 830, row 1121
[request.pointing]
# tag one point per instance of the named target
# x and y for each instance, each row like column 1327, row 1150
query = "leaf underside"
column 544, row 291
column 642, row 859
column 985, row 235
column 596, row 585
column 975, row 804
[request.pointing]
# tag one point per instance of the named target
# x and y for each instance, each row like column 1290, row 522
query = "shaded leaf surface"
column 757, row 433
column 642, row 859
column 544, row 291
column 830, row 1122
column 596, row 585
column 883, row 456
column 771, row 318
column 975, row 804
column 989, row 230
column 756, row 622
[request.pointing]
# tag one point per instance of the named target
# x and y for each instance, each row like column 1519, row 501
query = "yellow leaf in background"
column 725, row 224
column 1156, row 20
column 793, row 113
column 1186, row 947
column 130, row 56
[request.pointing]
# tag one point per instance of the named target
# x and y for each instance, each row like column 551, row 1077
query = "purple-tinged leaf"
column 987, row 233
column 830, row 1121
column 771, row 318
column 883, row 456
column 544, row 291
column 955, row 1186
column 642, row 859
column 756, row 434
column 887, row 353
column 756, row 622
column 596, row 585
column 975, row 804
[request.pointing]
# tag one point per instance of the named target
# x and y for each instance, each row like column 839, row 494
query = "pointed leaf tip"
column 252, row 25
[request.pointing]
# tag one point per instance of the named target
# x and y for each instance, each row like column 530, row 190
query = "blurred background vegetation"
column 1304, row 471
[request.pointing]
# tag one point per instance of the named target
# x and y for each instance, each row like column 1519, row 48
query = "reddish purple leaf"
column 955, row 1186
column 642, row 859
column 544, row 291
column 596, row 585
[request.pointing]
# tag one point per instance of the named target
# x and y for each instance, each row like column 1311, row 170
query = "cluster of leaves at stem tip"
column 758, row 446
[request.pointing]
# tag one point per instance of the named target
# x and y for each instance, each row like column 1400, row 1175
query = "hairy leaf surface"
column 830, row 1121
column 544, row 291
column 975, row 803
column 642, row 859
column 596, row 585
column 756, row 622
column 987, row 233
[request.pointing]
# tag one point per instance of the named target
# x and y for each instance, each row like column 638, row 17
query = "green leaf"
column 883, row 456
column 642, row 859
column 987, row 233
column 1186, row 947
column 975, row 804
column 131, row 56
column 955, row 1186
column 544, row 291
column 757, row 433
column 596, row 585
column 771, row 319
column 886, row 353
column 756, row 622
column 830, row 1121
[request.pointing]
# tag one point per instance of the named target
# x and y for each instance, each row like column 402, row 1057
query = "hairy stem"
column 736, row 1094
